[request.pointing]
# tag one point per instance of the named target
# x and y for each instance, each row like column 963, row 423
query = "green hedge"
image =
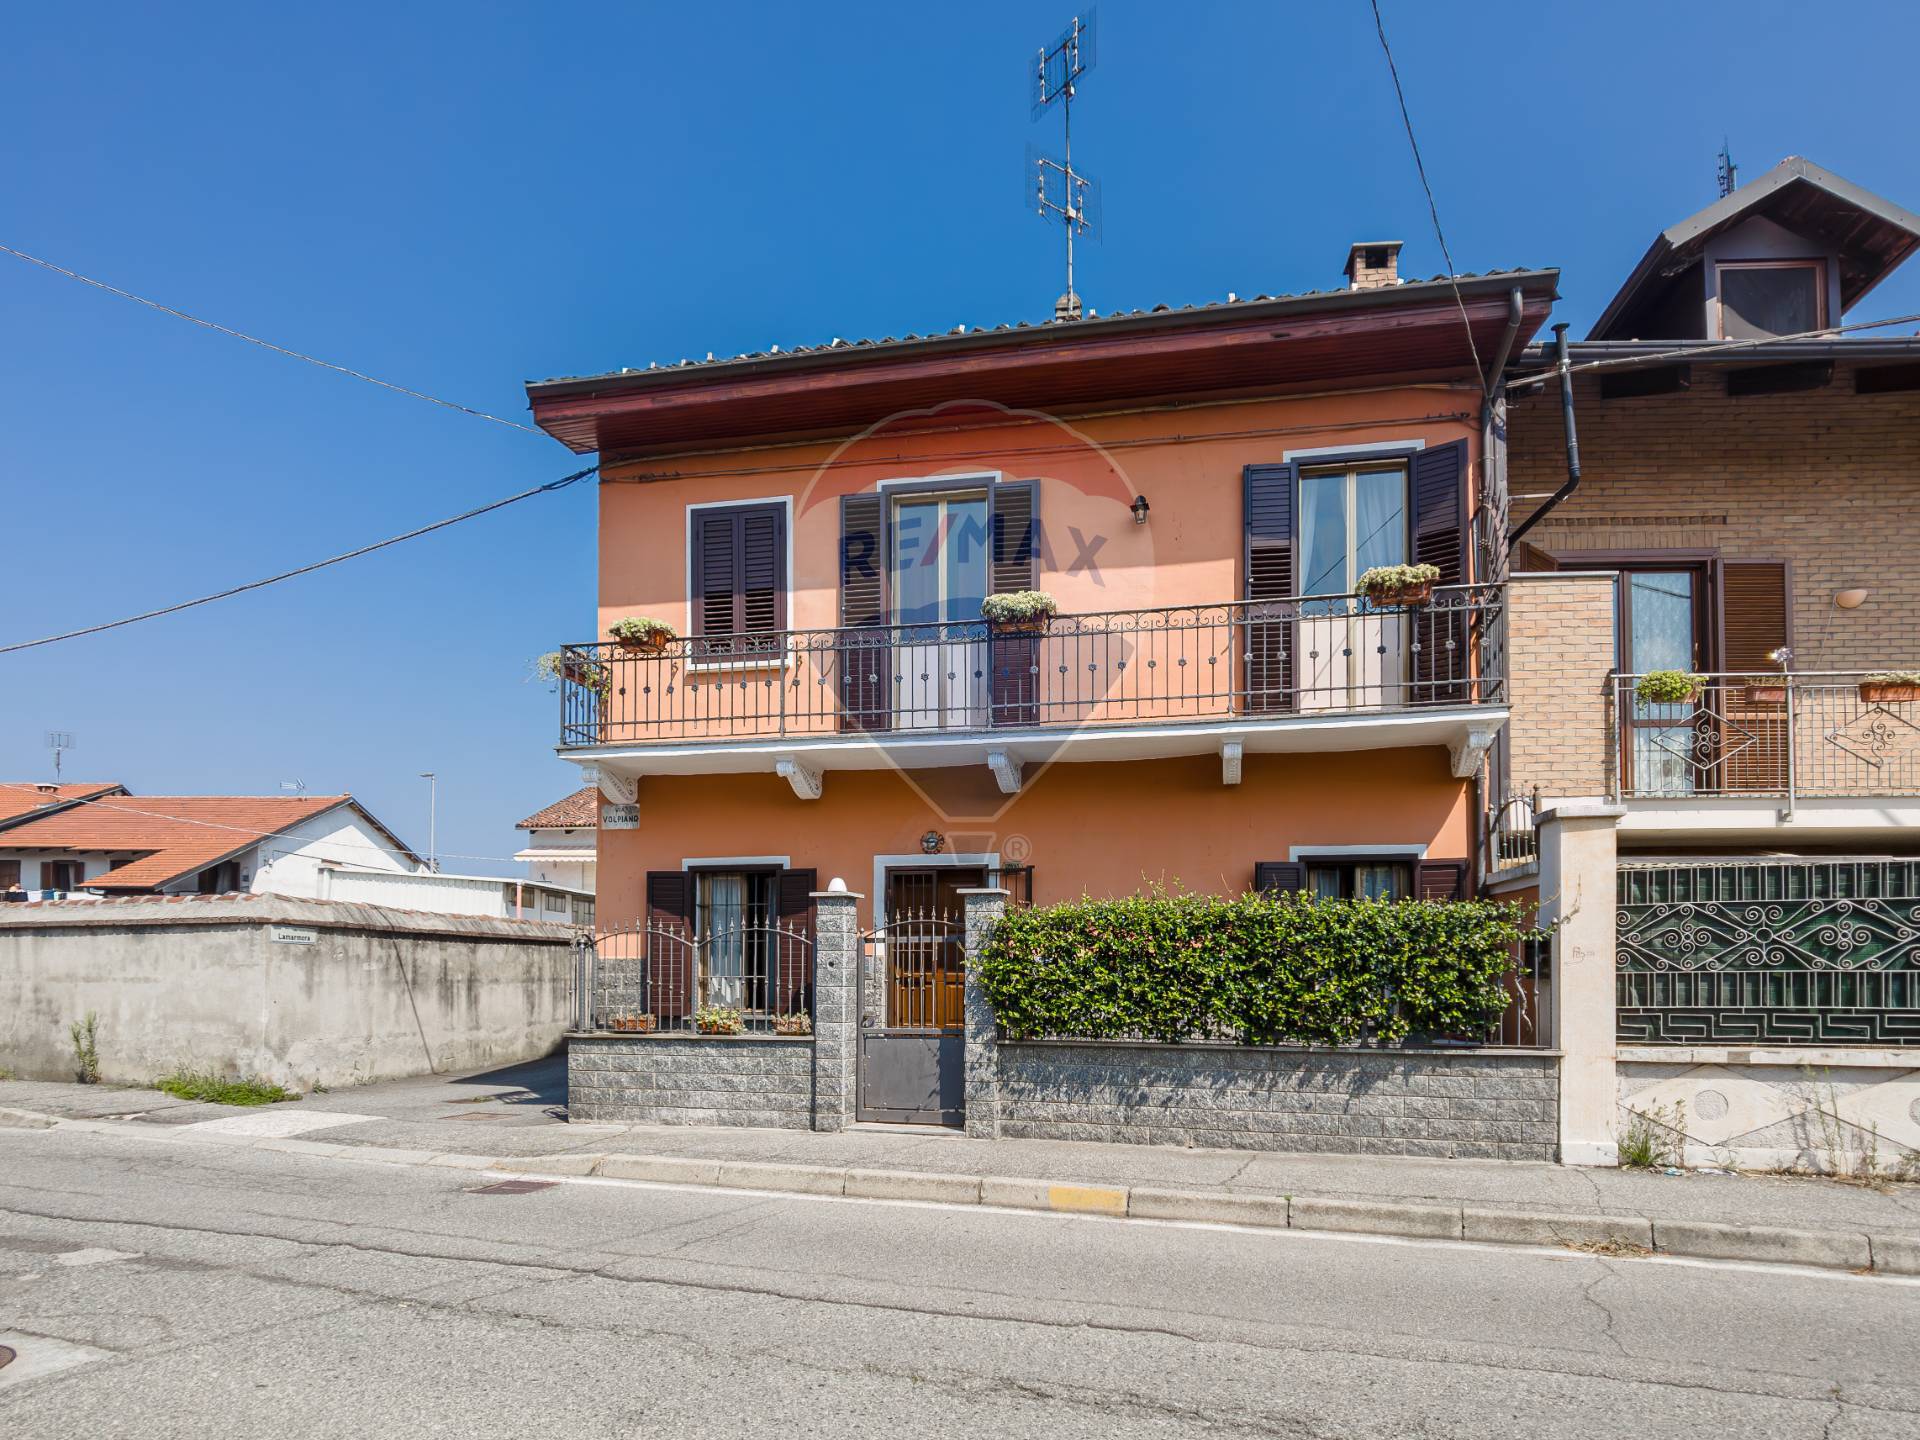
column 1254, row 969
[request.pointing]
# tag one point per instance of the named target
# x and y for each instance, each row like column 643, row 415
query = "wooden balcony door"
column 939, row 575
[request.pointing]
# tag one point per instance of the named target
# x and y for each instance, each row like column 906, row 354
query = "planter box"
column 654, row 643
column 1401, row 595
column 1036, row 626
column 1876, row 694
column 1766, row 694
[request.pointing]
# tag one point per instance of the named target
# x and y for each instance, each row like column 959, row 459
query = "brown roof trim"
column 1161, row 317
column 1242, row 347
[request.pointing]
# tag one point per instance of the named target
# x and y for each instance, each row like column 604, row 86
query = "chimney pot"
column 1373, row 264
column 1067, row 307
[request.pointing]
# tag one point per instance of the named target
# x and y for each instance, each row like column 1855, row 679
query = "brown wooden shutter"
column 1015, row 526
column 1441, row 880
column 1442, row 631
column 9, row 874
column 1753, row 614
column 1279, row 877
column 666, row 985
column 793, row 978
column 1014, row 564
column 763, row 565
column 739, row 570
column 1755, row 619
column 1267, row 510
column 866, row 690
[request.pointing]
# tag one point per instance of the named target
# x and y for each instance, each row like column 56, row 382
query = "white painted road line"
column 275, row 1124
column 94, row 1257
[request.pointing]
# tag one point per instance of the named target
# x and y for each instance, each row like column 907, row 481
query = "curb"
column 1620, row 1235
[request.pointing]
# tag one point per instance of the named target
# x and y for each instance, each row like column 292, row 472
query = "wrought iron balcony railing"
column 1271, row 659
column 1812, row 734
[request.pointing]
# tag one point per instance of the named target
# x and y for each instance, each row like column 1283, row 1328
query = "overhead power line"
column 268, row 344
column 1712, row 347
column 1433, row 209
column 548, row 488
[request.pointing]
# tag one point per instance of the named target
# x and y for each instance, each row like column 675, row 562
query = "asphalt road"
column 216, row 1291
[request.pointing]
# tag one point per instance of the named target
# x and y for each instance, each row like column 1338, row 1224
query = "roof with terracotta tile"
column 579, row 811
column 168, row 836
column 19, row 799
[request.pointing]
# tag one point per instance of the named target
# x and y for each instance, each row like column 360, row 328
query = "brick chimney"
column 1373, row 264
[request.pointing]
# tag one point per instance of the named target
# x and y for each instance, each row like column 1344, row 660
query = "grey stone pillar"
column 836, row 1006
column 984, row 909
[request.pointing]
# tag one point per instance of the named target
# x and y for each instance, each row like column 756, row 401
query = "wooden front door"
column 913, row 1044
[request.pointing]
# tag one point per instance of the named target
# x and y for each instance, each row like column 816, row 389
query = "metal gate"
column 913, row 1034
column 734, row 979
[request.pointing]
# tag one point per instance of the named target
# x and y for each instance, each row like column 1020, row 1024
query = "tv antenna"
column 1054, row 188
column 1725, row 171
column 59, row 741
column 294, row 787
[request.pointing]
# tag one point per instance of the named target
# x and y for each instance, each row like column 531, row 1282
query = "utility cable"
column 267, row 344
column 1712, row 347
column 549, row 487
column 1433, row 209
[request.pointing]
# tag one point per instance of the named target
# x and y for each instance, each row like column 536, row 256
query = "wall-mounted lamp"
column 1850, row 599
column 1140, row 509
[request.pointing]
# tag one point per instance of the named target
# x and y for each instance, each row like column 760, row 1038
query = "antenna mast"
column 1726, row 172
column 59, row 741
column 1054, row 188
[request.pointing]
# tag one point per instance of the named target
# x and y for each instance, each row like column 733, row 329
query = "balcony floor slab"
column 1295, row 734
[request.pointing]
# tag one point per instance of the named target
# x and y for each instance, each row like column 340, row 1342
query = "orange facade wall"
column 1086, row 829
column 1187, row 461
column 1097, row 829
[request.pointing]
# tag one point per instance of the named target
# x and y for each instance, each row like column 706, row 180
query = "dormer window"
column 1760, row 299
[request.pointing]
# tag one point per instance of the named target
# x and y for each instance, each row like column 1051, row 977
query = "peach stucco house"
column 820, row 527
column 1198, row 489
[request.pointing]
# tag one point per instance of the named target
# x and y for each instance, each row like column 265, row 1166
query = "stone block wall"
column 691, row 1080
column 1441, row 1104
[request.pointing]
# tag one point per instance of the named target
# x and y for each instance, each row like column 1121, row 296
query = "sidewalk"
column 515, row 1120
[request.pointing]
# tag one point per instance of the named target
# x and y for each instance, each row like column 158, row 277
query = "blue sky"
column 462, row 197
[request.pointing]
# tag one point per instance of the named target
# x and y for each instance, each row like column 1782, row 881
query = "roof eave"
column 802, row 361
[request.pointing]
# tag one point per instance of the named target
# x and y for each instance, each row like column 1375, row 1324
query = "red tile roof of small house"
column 579, row 811
column 170, row 836
column 19, row 799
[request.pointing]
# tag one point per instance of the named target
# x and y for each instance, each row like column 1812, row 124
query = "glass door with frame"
column 940, row 578
column 1662, row 628
column 1351, row 519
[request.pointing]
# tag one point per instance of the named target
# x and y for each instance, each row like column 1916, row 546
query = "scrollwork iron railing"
column 1801, row 952
column 1307, row 655
column 1807, row 734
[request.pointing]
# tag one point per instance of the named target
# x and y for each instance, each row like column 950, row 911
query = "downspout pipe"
column 1573, row 441
column 1516, row 310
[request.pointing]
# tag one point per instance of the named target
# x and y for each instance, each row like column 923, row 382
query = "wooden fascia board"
column 1025, row 359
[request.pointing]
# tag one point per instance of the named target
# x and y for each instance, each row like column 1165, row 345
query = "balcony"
column 1326, row 672
column 1823, row 750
